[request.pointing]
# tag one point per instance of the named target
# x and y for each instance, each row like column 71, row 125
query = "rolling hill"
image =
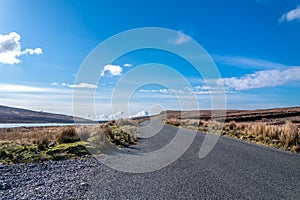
column 18, row 115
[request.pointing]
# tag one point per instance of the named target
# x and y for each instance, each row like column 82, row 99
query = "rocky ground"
column 66, row 179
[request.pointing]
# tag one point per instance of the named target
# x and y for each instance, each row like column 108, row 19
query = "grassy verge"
column 285, row 136
column 35, row 144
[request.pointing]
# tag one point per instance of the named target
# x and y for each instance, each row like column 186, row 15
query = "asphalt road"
column 232, row 170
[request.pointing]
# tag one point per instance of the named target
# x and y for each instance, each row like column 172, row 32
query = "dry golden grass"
column 284, row 136
column 30, row 135
column 126, row 121
column 123, row 129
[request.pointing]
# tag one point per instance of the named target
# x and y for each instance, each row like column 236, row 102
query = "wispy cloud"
column 83, row 85
column 204, row 90
column 142, row 113
column 247, row 62
column 181, row 39
column 291, row 15
column 199, row 89
column 163, row 91
column 260, row 79
column 12, row 88
column 79, row 85
column 113, row 70
column 127, row 65
column 10, row 49
column 54, row 84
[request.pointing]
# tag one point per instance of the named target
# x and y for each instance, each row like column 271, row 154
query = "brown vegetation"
column 31, row 135
column 284, row 136
column 68, row 134
column 47, row 143
column 272, row 116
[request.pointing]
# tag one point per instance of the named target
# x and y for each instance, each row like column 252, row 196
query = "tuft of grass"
column 68, row 135
column 121, row 134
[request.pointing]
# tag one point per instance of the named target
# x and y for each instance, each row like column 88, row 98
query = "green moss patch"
column 32, row 153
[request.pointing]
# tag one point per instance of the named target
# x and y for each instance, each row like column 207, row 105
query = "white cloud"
column 11, row 88
column 83, row 85
column 113, row 70
column 127, row 65
column 10, row 49
column 204, row 90
column 163, row 91
column 142, row 113
column 181, row 39
column 201, row 87
column 260, row 79
column 54, row 84
column 102, row 117
column 291, row 15
column 149, row 91
column 19, row 88
column 37, row 51
column 117, row 115
column 246, row 62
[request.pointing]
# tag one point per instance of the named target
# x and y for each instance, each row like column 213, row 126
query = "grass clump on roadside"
column 285, row 136
column 122, row 133
column 35, row 144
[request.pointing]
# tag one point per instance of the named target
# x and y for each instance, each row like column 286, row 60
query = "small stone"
column 51, row 144
column 84, row 186
column 5, row 186
column 275, row 141
column 243, row 138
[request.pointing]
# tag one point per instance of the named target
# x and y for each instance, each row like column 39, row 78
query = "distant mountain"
column 17, row 115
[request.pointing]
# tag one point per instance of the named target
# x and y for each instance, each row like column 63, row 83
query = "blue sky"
column 254, row 43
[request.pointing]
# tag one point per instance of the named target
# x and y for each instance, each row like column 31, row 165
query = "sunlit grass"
column 56, row 143
column 286, row 136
